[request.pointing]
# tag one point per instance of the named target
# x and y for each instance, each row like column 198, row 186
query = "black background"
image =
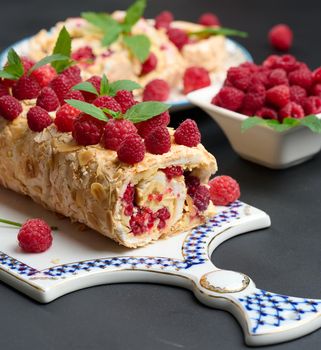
column 285, row 258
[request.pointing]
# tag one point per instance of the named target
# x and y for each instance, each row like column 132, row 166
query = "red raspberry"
column 44, row 75
column 125, row 99
column 278, row 95
column 26, row 88
column 60, row 85
column 35, row 236
column 292, row 110
column 65, row 118
column 301, row 77
column 260, row 77
column 4, row 90
column 163, row 20
column 317, row 75
column 178, row 37
column 195, row 78
column 128, row 198
column 281, row 37
column 74, row 95
column 107, row 102
column 84, row 55
column 156, row 90
column 239, row 77
column 144, row 128
column 73, row 75
column 48, row 99
column 27, row 65
column 187, row 134
column 131, row 150
column 162, row 214
column 95, row 80
column 297, row 94
column 254, row 99
column 267, row 113
column 38, row 119
column 173, row 171
column 270, row 61
column 224, row 190
column 192, row 183
column 158, row 141
column 209, row 19
column 286, row 62
column 312, row 105
column 142, row 221
column 150, row 64
column 201, row 198
column 115, row 131
column 87, row 130
column 230, row 98
column 277, row 76
column 10, row 107
column 249, row 65
column 315, row 90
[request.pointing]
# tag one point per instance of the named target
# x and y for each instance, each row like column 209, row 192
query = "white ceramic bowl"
column 259, row 144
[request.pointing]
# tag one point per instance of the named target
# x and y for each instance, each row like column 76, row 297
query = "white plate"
column 80, row 259
column 237, row 54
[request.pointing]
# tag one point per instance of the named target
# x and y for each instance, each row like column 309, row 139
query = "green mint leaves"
column 14, row 68
column 219, row 31
column 118, row 85
column 49, row 59
column 88, row 108
column 312, row 122
column 86, row 86
column 62, row 47
column 138, row 45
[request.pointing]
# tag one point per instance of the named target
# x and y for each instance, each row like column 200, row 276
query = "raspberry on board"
column 145, row 127
column 178, row 37
column 44, row 75
column 195, row 78
column 87, row 130
column 10, row 107
column 229, row 98
column 156, row 90
column 187, row 134
column 209, row 19
column 292, row 110
column 38, row 119
column 224, row 190
column 158, row 141
column 201, row 198
column 281, row 37
column 26, row 88
column 131, row 150
column 150, row 64
column 126, row 99
column 163, row 20
column 35, row 236
column 65, row 118
column 278, row 95
column 48, row 99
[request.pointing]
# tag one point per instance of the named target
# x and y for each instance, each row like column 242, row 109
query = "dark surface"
column 285, row 258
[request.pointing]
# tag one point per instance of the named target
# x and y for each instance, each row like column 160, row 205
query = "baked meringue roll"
column 131, row 204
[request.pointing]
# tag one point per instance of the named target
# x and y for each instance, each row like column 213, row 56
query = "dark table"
column 285, row 258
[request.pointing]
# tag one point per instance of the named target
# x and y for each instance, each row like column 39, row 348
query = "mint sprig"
column 104, row 86
column 86, row 86
column 118, row 85
column 133, row 14
column 49, row 59
column 14, row 67
column 312, row 122
column 218, row 31
column 139, row 45
column 88, row 108
column 62, row 47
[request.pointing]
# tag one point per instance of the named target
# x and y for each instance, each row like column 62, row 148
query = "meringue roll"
column 131, row 204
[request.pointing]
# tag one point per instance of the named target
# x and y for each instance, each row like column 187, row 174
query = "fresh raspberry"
column 254, row 99
column 278, row 95
column 4, row 90
column 131, row 150
column 163, row 20
column 277, row 76
column 270, row 61
column 128, row 198
column 286, row 62
column 84, row 55
column 150, row 64
column 125, row 99
column 35, row 236
column 209, row 19
column 60, row 85
column 38, row 119
column 301, row 77
column 239, row 77
column 173, row 171
column 195, row 78
column 292, row 110
column 74, row 95
column 48, row 99
column 73, row 75
column 312, row 105
column 115, row 131
column 158, row 141
column 65, row 118
column 44, row 75
column 250, row 65
column 201, row 198
column 156, row 90
column 87, row 130
column 27, row 63
column 224, row 190
column 230, row 98
column 192, row 183
column 26, row 88
column 261, row 77
column 142, row 221
column 178, row 37
column 10, row 107
column 162, row 214
column 95, row 80
column 298, row 94
column 317, row 75
column 267, row 113
column 315, row 90
column 281, row 37
column 107, row 102
column 145, row 127
column 187, row 134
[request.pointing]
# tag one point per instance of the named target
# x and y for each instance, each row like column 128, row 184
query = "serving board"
column 83, row 258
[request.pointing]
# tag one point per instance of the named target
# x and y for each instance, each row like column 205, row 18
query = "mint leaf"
column 139, row 46
column 49, row 59
column 104, row 86
column 219, row 31
column 115, row 115
column 128, row 85
column 88, row 108
column 133, row 14
column 13, row 68
column 312, row 122
column 250, row 122
column 86, row 86
column 99, row 19
column 111, row 35
column 145, row 110
column 6, row 75
column 62, row 47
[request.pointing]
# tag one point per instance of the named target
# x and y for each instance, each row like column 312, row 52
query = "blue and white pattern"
column 268, row 311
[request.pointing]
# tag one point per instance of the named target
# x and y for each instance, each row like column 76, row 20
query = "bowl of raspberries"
column 270, row 112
